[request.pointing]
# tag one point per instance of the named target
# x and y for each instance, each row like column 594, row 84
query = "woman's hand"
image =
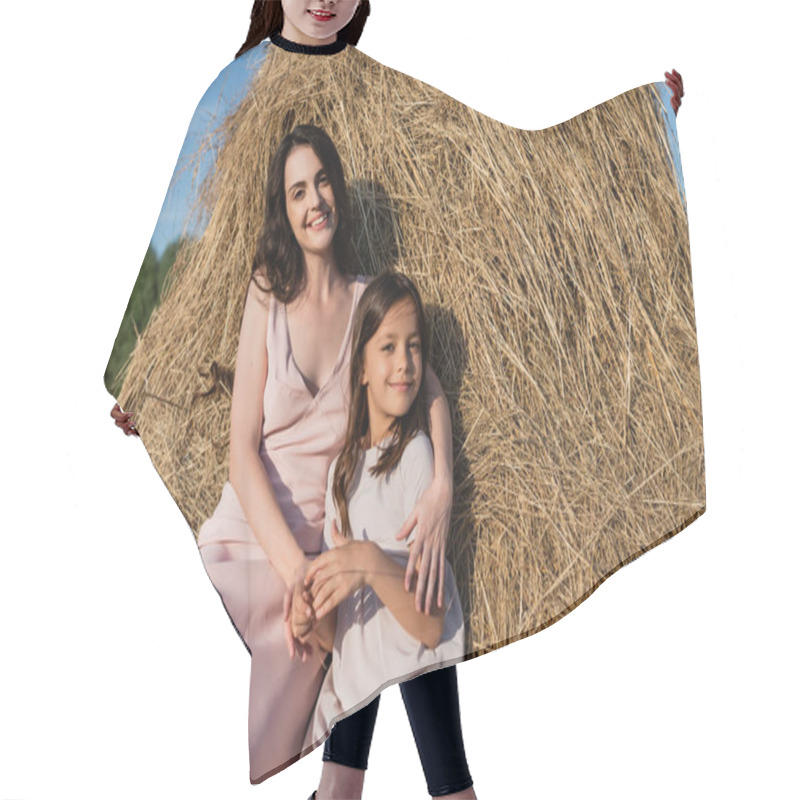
column 124, row 420
column 337, row 573
column 675, row 82
column 297, row 617
column 431, row 517
column 302, row 614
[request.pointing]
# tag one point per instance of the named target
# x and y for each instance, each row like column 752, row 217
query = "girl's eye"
column 323, row 178
column 298, row 194
column 414, row 345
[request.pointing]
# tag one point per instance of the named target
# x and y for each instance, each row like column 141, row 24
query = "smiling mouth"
column 319, row 222
column 323, row 16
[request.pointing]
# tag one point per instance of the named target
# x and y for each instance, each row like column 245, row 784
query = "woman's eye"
column 415, row 345
column 323, row 178
column 388, row 347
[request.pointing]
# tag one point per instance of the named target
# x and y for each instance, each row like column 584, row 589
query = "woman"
column 256, row 544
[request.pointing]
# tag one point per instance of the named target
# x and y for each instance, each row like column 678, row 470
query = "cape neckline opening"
column 308, row 49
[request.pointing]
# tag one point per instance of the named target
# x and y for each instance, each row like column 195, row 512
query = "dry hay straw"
column 555, row 269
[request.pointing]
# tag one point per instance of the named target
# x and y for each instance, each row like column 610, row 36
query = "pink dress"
column 301, row 436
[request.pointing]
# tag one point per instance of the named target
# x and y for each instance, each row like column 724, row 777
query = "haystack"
column 555, row 269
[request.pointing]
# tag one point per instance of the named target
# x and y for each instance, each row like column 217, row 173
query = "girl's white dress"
column 371, row 649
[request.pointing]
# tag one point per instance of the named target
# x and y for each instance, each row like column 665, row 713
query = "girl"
column 360, row 610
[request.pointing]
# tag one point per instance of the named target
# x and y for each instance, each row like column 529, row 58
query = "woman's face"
column 392, row 367
column 310, row 204
column 316, row 21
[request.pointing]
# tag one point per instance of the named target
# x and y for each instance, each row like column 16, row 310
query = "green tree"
column 146, row 295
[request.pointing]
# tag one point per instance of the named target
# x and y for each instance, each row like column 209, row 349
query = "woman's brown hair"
column 266, row 19
column 278, row 256
column 384, row 292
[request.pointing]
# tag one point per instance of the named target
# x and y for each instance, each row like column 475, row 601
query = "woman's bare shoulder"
column 255, row 317
column 259, row 293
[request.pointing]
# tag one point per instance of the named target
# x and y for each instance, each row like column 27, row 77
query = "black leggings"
column 431, row 702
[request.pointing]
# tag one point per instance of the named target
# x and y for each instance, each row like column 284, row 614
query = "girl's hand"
column 675, row 82
column 124, row 420
column 337, row 573
column 431, row 516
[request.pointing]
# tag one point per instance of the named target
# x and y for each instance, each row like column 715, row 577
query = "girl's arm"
column 339, row 572
column 431, row 514
column 246, row 469
column 387, row 578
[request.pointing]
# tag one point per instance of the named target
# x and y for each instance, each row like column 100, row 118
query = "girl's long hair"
column 385, row 291
column 278, row 256
column 266, row 19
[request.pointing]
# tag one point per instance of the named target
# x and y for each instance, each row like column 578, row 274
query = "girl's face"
column 315, row 22
column 392, row 367
column 310, row 204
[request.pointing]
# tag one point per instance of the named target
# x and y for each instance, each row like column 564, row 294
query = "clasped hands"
column 330, row 578
column 338, row 572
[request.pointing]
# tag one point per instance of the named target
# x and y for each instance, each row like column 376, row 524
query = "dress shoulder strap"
column 277, row 347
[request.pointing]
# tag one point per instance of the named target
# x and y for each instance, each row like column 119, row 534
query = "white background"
column 120, row 675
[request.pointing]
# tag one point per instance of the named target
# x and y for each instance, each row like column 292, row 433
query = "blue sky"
column 222, row 96
column 672, row 134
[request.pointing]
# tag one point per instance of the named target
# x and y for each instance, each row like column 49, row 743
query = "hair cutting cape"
column 554, row 268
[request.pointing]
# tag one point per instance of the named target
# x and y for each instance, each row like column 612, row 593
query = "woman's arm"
column 441, row 429
column 431, row 514
column 246, row 469
column 324, row 631
column 303, row 628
